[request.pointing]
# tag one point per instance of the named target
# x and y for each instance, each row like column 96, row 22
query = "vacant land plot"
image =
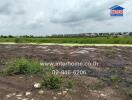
column 108, row 72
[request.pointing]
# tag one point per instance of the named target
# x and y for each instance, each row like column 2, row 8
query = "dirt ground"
column 94, row 85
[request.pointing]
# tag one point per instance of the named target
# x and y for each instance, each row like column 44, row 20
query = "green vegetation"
column 79, row 40
column 52, row 82
column 22, row 66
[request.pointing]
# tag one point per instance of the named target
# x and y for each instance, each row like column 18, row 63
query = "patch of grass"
column 56, row 82
column 52, row 82
column 22, row 66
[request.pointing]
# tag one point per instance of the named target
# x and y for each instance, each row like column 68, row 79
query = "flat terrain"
column 103, row 63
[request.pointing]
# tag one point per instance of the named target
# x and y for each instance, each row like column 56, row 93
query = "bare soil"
column 95, row 85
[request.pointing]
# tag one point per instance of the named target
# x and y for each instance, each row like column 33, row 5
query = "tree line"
column 115, row 34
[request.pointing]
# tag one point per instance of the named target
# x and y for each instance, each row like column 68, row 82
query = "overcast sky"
column 42, row 17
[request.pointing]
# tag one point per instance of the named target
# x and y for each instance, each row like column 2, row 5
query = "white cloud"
column 40, row 17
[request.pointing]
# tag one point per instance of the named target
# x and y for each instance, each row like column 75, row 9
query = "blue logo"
column 116, row 11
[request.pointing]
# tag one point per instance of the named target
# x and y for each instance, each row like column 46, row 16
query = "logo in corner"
column 116, row 11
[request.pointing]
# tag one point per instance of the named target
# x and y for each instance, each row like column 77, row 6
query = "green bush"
column 23, row 66
column 52, row 82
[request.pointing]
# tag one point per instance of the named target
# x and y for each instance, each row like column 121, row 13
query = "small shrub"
column 52, row 82
column 23, row 66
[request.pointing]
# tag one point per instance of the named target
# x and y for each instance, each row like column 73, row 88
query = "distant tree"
column 1, row 36
column 10, row 36
column 5, row 36
column 31, row 36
